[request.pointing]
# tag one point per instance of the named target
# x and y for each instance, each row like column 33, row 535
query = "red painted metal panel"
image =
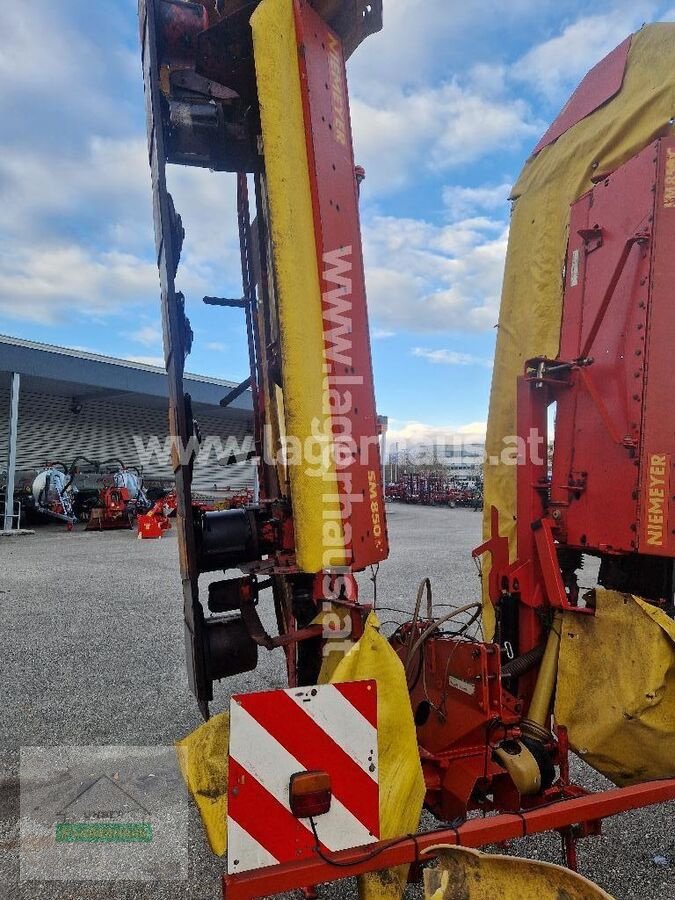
column 603, row 82
column 606, row 308
column 349, row 375
column 657, row 448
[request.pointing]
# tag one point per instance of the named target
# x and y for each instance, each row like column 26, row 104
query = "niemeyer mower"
column 327, row 779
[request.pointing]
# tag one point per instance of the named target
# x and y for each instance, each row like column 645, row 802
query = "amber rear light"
column 309, row 794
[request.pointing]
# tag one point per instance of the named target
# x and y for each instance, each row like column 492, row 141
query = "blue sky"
column 447, row 103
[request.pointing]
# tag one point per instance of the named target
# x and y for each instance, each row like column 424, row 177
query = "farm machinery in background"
column 157, row 520
column 110, row 495
column 327, row 779
column 435, row 489
column 52, row 494
column 118, row 498
column 106, row 495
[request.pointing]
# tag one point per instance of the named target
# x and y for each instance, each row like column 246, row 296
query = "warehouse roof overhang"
column 89, row 376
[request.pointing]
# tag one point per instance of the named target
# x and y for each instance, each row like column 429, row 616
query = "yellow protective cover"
column 298, row 289
column 471, row 875
column 203, row 756
column 531, row 305
column 616, row 688
column 529, row 325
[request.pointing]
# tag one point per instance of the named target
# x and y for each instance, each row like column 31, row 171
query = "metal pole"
column 11, row 450
column 256, row 482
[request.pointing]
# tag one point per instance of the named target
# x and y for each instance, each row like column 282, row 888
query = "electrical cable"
column 424, row 584
column 373, row 854
column 373, row 577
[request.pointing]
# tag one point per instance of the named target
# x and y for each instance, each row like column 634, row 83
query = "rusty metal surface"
column 352, row 20
column 177, row 340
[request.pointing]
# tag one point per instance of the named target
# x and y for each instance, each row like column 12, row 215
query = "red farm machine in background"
column 222, row 95
column 435, row 489
column 157, row 519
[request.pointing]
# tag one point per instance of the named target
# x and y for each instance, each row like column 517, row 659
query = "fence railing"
column 15, row 518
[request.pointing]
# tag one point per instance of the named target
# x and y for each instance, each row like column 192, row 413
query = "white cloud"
column 107, row 183
column 424, row 39
column 149, row 335
column 437, row 128
column 451, row 357
column 61, row 71
column 555, row 66
column 423, row 277
column 106, row 266
column 75, row 196
column 413, row 433
column 216, row 346
column 463, row 201
column 381, row 334
column 43, row 283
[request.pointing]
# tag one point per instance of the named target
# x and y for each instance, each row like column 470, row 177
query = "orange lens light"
column 309, row 794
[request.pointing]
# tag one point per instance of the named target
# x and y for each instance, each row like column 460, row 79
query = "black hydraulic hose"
column 114, row 459
column 91, row 462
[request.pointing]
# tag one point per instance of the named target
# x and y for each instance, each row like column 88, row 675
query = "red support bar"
column 475, row 833
column 550, row 567
column 640, row 238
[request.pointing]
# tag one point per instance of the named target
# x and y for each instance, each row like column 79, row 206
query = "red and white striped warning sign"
column 275, row 734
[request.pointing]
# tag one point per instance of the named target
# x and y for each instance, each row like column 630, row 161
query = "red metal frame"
column 583, row 811
column 349, row 372
column 613, row 452
column 608, row 491
column 462, row 680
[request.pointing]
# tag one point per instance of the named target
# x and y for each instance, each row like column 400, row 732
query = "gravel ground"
column 92, row 654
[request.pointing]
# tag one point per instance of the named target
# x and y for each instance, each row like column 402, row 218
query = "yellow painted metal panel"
column 297, row 281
